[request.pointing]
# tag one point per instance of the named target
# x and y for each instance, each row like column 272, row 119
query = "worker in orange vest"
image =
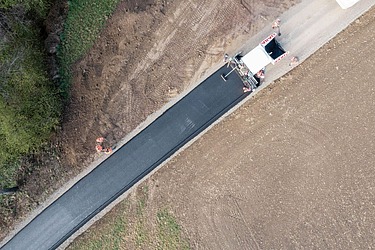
column 99, row 146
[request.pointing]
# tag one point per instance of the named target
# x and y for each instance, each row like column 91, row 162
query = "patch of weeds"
column 142, row 200
column 83, row 24
column 118, row 231
column 108, row 235
column 141, row 233
column 126, row 227
column 169, row 235
column 94, row 245
column 8, row 173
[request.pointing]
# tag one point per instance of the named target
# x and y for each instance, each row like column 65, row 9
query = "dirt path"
column 292, row 168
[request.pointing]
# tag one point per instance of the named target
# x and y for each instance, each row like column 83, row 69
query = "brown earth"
column 290, row 169
column 148, row 53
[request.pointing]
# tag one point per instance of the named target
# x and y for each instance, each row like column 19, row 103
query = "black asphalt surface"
column 121, row 170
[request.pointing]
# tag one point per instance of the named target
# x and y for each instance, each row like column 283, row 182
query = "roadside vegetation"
column 30, row 105
column 130, row 226
column 83, row 24
column 169, row 232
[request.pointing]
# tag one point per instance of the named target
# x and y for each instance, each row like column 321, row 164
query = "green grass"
column 169, row 232
column 108, row 236
column 84, row 22
column 130, row 226
column 141, row 233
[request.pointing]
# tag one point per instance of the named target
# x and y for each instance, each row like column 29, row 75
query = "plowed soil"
column 290, row 169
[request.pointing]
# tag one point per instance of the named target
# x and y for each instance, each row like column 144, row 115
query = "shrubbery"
column 29, row 103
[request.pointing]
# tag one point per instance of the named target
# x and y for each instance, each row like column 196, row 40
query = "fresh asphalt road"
column 305, row 28
column 188, row 117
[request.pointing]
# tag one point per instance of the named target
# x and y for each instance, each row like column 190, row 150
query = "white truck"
column 346, row 3
column 250, row 66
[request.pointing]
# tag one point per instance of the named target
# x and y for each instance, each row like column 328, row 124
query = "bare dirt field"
column 292, row 168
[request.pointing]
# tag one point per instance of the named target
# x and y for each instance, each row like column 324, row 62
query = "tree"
column 30, row 103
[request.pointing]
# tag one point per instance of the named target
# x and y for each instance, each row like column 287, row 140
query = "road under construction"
column 131, row 162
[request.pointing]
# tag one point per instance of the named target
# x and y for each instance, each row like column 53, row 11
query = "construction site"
column 290, row 166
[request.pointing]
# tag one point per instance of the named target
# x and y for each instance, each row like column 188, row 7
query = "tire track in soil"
column 185, row 38
column 180, row 36
column 242, row 227
column 227, row 210
column 301, row 133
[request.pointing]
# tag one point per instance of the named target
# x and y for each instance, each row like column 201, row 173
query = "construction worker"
column 107, row 151
column 294, row 61
column 260, row 74
column 226, row 58
column 247, row 89
column 100, row 140
column 276, row 25
column 99, row 146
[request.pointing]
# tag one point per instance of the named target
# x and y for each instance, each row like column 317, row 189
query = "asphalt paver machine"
column 251, row 66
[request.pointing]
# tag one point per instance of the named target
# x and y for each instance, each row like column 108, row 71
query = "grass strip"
column 169, row 232
column 83, row 24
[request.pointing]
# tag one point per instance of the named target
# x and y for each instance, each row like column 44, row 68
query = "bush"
column 29, row 109
column 40, row 7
